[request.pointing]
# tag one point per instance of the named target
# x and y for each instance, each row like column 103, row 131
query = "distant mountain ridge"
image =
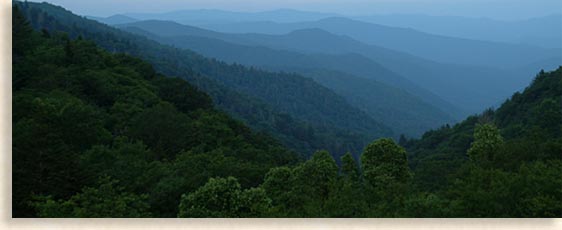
column 468, row 87
column 397, row 108
column 543, row 31
column 207, row 16
column 356, row 64
column 434, row 47
column 114, row 19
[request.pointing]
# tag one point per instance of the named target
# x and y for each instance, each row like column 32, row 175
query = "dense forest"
column 97, row 128
column 299, row 112
column 99, row 132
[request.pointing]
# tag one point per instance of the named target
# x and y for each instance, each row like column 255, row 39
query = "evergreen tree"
column 349, row 168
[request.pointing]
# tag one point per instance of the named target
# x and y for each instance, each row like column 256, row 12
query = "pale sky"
column 499, row 9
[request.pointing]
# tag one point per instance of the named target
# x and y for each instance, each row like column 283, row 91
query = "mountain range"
column 471, row 88
column 542, row 31
column 378, row 81
column 155, row 118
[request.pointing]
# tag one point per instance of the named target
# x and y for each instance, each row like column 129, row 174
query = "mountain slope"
column 433, row 47
column 540, row 31
column 83, row 115
column 529, row 121
column 176, row 33
column 472, row 88
column 394, row 107
column 323, row 131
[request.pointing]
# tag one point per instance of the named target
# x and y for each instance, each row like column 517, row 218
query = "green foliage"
column 221, row 197
column 83, row 113
column 349, row 168
column 347, row 198
column 182, row 95
column 300, row 113
column 487, row 142
column 278, row 184
column 303, row 190
column 384, row 162
column 509, row 176
column 539, row 186
column 530, row 191
column 318, row 173
column 425, row 205
column 107, row 200
column 22, row 36
column 217, row 198
column 254, row 203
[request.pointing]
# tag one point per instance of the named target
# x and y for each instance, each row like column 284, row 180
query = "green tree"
column 484, row 192
column 347, row 198
column 278, row 184
column 424, row 205
column 548, row 116
column 349, row 168
column 487, row 143
column 314, row 181
column 22, row 34
column 383, row 161
column 107, row 200
column 385, row 169
column 221, row 197
column 165, row 130
column 538, row 184
column 185, row 97
column 254, row 203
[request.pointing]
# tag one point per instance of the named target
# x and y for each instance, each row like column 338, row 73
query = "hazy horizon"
column 495, row 9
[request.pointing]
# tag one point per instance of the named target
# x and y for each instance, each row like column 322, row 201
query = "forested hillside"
column 310, row 48
column 530, row 124
column 397, row 108
column 91, row 126
column 110, row 124
column 499, row 71
column 304, row 115
column 473, row 169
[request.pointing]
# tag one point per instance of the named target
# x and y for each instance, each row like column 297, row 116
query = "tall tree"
column 385, row 169
column 487, row 143
column 349, row 168
column 384, row 161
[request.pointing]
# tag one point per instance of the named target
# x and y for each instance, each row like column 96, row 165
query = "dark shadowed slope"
column 301, row 113
column 530, row 123
column 82, row 114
